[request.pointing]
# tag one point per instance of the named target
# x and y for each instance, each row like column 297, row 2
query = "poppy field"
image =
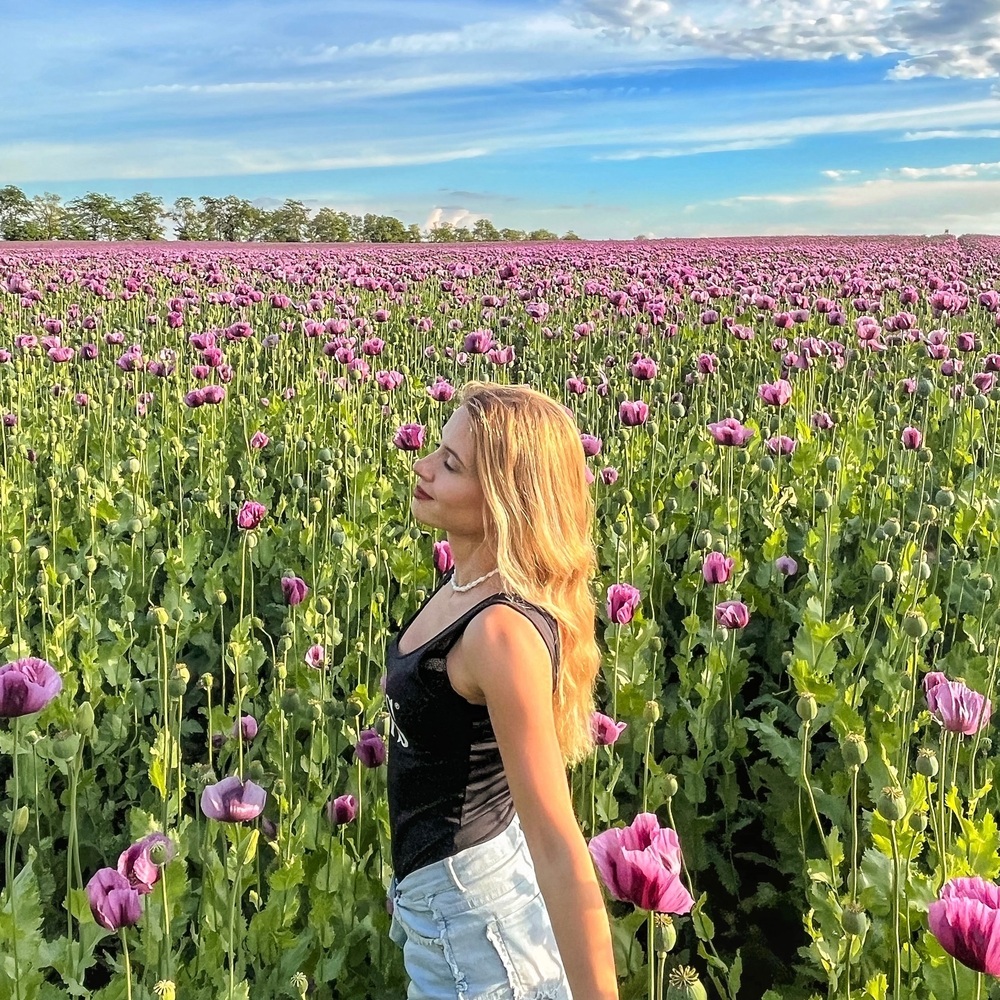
column 206, row 544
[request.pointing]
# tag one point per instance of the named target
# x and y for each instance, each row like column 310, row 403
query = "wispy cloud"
column 733, row 146
column 839, row 175
column 952, row 133
column 194, row 158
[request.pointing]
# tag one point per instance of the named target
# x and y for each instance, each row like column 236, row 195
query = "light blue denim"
column 475, row 927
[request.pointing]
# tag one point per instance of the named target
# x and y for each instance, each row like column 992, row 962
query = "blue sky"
column 613, row 118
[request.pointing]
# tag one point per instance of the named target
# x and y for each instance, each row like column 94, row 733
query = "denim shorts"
column 475, row 927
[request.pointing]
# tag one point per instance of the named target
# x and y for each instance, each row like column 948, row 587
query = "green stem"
column 128, row 964
column 897, row 968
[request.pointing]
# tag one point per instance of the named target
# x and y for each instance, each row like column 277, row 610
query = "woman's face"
column 447, row 493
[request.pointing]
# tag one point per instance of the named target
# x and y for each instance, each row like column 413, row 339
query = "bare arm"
column 512, row 668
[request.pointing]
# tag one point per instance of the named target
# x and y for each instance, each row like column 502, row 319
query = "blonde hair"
column 539, row 521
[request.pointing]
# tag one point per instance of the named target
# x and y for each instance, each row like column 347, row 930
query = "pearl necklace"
column 475, row 583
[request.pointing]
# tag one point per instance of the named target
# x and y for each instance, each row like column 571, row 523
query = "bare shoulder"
column 502, row 645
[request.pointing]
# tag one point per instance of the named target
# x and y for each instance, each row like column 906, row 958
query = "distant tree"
column 463, row 234
column 441, row 232
column 483, row 231
column 328, row 226
column 512, row 234
column 569, row 235
column 413, row 233
column 15, row 213
column 48, row 218
column 144, row 215
column 383, row 229
column 189, row 221
column 96, row 216
column 541, row 234
column 287, row 224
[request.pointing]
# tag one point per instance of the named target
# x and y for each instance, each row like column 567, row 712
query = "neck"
column 472, row 558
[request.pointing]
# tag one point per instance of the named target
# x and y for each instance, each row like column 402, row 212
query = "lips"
column 420, row 494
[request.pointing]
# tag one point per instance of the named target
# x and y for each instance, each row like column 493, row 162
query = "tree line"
column 144, row 216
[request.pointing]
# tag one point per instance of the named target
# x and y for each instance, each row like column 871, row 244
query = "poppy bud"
column 83, row 722
column 806, row 707
column 651, row 712
column 854, row 920
column 14, row 546
column 20, row 823
column 927, row 762
column 891, row 804
column 917, row 822
column 670, row 786
column 158, row 616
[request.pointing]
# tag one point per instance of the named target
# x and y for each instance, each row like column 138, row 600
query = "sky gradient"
column 613, row 118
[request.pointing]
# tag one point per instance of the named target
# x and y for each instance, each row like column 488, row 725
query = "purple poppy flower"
column 776, row 393
column 250, row 514
column 295, row 590
column 731, row 432
column 633, row 413
column 717, row 568
column 315, row 656
column 786, row 565
column 911, row 438
column 233, row 801
column 27, row 686
column 622, row 601
column 443, row 559
column 246, row 727
column 641, row 864
column 259, row 440
column 138, row 868
column 732, row 614
column 114, row 903
column 957, row 707
column 370, row 748
column 605, row 730
column 409, row 437
column 591, row 445
column 966, row 921
column 342, row 810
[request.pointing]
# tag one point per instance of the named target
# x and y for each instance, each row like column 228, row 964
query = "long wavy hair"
column 539, row 521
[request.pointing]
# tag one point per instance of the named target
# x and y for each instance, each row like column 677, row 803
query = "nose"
column 418, row 467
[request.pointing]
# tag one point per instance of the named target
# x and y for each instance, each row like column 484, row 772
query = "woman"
column 489, row 690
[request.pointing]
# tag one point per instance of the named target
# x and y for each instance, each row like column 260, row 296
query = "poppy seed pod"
column 854, row 920
column 891, row 804
column 854, row 750
column 684, row 984
column 927, row 762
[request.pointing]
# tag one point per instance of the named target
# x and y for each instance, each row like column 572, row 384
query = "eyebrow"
column 451, row 451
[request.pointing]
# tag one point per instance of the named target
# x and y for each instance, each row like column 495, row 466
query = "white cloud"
column 839, row 175
column 942, row 38
column 950, row 170
column 952, row 133
column 452, row 216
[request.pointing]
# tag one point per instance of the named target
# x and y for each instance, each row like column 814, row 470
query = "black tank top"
column 446, row 785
